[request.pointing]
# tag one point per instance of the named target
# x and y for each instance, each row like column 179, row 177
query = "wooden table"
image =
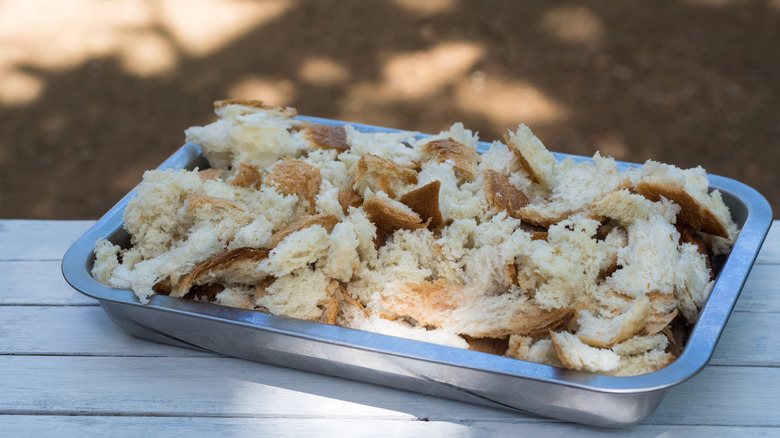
column 67, row 370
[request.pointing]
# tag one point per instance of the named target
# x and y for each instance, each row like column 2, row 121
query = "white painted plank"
column 761, row 292
column 727, row 396
column 37, row 282
column 737, row 396
column 38, row 239
column 215, row 386
column 81, row 330
column 770, row 251
column 749, row 339
column 90, row 426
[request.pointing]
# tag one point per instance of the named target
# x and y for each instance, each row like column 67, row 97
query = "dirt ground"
column 92, row 93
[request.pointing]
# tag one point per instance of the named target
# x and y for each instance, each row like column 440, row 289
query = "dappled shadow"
column 688, row 82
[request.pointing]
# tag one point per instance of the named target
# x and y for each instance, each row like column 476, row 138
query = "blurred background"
column 93, row 92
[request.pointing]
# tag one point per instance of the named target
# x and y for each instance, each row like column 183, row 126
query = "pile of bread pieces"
column 570, row 263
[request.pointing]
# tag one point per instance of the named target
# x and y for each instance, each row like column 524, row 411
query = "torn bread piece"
column 537, row 161
column 606, row 332
column 663, row 310
column 642, row 355
column 577, row 184
column 239, row 266
column 699, row 209
column 238, row 297
column 343, row 257
column 327, row 136
column 247, row 131
column 577, row 355
column 425, row 202
column 627, row 207
column 210, row 174
column 464, row 158
column 533, row 349
column 303, row 293
column 330, row 310
column 349, row 198
column 297, row 250
column 381, row 174
column 296, row 177
column 247, row 176
column 389, row 216
column 327, row 221
column 444, row 305
column 152, row 217
column 501, row 194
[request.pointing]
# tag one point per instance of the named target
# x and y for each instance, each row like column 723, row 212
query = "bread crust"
column 247, row 176
column 692, row 213
column 210, row 174
column 464, row 158
column 295, row 177
column 327, row 221
column 433, row 304
column 501, row 194
column 425, row 202
column 349, row 198
column 195, row 202
column 388, row 219
column 383, row 174
column 228, row 266
column 256, row 104
column 327, row 136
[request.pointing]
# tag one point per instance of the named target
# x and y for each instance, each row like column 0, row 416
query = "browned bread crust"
column 533, row 218
column 247, row 176
column 464, row 158
column 209, row 174
column 427, row 303
column 388, row 219
column 425, row 202
column 200, row 201
column 330, row 311
column 349, row 198
column 692, row 213
column 497, row 346
column 381, row 173
column 293, row 176
column 250, row 103
column 327, row 136
column 432, row 304
column 501, row 194
column 327, row 221
column 234, row 266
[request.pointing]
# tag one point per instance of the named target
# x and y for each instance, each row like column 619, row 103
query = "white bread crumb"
column 297, row 294
column 577, row 355
column 296, row 251
column 606, row 332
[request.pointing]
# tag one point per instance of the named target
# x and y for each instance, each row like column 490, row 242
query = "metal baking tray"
column 414, row 365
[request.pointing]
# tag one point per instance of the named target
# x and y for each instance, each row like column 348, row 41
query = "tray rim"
column 696, row 355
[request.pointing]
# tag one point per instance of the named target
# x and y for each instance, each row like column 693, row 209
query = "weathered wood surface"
column 66, row 369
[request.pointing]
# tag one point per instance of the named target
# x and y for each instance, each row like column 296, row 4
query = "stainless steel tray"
column 413, row 365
